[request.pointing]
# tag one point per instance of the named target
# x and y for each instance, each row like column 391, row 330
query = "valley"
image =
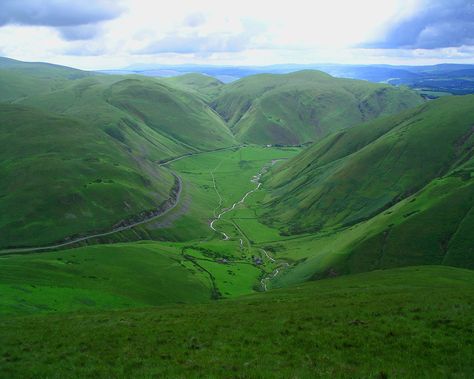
column 223, row 182
column 280, row 225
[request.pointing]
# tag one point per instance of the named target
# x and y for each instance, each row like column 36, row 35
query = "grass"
column 378, row 195
column 232, row 169
column 89, row 158
column 200, row 251
column 404, row 323
column 182, row 302
column 304, row 106
column 100, row 277
column 126, row 275
column 63, row 177
column 206, row 87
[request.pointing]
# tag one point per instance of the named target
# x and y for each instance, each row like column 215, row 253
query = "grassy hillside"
column 207, row 87
column 394, row 192
column 406, row 323
column 89, row 159
column 100, row 277
column 155, row 119
column 173, row 113
column 124, row 275
column 63, row 177
column 304, row 106
column 19, row 80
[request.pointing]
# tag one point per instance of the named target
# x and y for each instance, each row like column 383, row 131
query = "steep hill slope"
column 155, row 119
column 399, row 191
column 89, row 158
column 145, row 115
column 63, row 177
column 304, row 106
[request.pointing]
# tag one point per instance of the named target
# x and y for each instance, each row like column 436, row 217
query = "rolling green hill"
column 88, row 159
column 155, row 119
column 63, row 177
column 101, row 277
column 19, row 80
column 207, row 87
column 304, row 106
column 398, row 191
column 405, row 323
column 173, row 113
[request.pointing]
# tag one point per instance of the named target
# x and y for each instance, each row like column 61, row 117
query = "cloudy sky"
column 98, row 34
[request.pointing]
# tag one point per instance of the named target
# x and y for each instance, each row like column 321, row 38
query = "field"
column 405, row 323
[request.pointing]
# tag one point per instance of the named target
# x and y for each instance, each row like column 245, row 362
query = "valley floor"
column 212, row 253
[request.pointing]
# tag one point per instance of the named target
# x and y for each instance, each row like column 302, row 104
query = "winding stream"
column 255, row 179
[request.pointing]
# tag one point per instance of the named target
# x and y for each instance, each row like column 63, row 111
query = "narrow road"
column 177, row 197
column 125, row 227
column 115, row 230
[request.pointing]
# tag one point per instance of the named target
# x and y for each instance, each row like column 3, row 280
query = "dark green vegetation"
column 304, row 106
column 394, row 192
column 405, row 323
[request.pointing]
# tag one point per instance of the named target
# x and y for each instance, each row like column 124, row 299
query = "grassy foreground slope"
column 304, row 106
column 405, row 323
column 124, row 275
column 395, row 192
column 100, row 277
column 63, row 177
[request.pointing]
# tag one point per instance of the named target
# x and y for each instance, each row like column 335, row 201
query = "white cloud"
column 222, row 32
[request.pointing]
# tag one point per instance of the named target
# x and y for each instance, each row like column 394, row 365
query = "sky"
column 107, row 34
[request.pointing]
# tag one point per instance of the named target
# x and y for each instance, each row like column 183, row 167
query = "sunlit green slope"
column 18, row 80
column 304, row 106
column 398, row 191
